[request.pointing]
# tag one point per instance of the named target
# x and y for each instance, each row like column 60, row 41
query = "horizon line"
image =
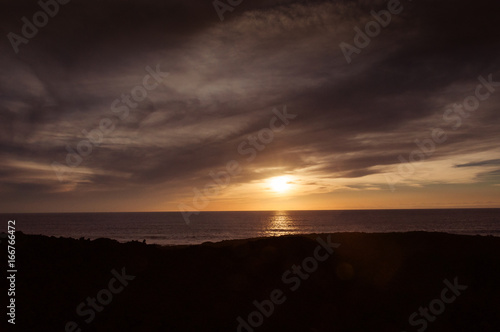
column 366, row 209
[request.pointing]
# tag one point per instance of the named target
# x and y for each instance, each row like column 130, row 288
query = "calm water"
column 169, row 227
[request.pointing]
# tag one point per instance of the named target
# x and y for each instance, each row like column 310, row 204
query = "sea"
column 170, row 228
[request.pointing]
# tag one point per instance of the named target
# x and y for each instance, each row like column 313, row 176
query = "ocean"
column 169, row 228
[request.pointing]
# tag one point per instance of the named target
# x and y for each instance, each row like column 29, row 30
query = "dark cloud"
column 481, row 163
column 225, row 78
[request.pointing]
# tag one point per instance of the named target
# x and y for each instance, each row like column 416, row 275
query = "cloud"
column 481, row 163
column 225, row 78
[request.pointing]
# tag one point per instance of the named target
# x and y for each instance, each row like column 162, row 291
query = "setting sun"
column 280, row 184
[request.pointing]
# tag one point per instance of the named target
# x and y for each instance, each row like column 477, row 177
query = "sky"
column 197, row 105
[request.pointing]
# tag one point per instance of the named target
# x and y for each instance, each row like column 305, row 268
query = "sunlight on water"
column 169, row 228
column 280, row 223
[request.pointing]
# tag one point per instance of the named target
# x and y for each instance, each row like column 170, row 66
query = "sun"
column 280, row 183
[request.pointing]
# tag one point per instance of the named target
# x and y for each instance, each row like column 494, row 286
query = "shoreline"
column 306, row 235
column 170, row 229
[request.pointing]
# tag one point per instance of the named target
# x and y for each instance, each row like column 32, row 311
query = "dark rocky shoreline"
column 371, row 282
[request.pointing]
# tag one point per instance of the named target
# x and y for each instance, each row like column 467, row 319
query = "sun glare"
column 280, row 184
